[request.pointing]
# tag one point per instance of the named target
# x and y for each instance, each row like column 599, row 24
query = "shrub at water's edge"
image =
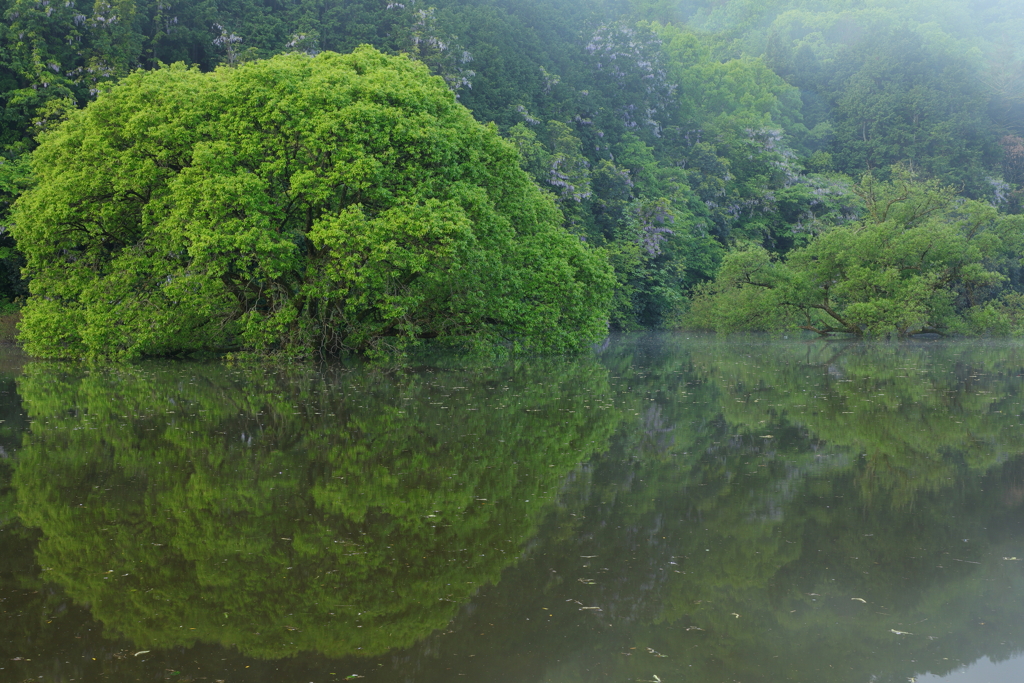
column 922, row 259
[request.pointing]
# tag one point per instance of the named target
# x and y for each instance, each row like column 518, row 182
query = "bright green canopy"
column 299, row 204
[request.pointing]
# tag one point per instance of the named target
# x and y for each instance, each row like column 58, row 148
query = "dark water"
column 669, row 509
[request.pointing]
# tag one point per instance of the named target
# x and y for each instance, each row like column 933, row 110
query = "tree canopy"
column 302, row 204
column 919, row 261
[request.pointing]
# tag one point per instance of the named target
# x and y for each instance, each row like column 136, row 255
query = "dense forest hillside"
column 674, row 136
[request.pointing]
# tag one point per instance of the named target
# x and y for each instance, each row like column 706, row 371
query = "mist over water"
column 675, row 506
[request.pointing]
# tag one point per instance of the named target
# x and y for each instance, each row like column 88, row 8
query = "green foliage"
column 296, row 204
column 743, row 91
column 887, row 82
column 657, row 262
column 13, row 179
column 919, row 261
column 895, row 100
column 746, row 120
column 555, row 159
column 56, row 56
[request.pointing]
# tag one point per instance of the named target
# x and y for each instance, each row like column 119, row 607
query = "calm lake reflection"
column 669, row 509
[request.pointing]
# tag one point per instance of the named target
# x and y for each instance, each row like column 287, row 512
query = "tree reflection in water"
column 287, row 511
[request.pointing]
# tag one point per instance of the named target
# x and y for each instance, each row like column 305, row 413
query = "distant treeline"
column 672, row 133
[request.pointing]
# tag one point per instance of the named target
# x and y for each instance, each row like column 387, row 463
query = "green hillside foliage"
column 670, row 134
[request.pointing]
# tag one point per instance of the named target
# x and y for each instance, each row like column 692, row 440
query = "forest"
column 318, row 176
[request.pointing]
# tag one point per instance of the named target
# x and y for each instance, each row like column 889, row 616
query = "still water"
column 667, row 509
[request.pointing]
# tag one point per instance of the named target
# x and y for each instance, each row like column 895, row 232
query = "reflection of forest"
column 677, row 576
column 12, row 424
column 695, row 517
column 781, row 482
column 914, row 415
column 881, row 461
column 292, row 512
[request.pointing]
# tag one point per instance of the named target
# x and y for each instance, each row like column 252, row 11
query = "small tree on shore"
column 921, row 260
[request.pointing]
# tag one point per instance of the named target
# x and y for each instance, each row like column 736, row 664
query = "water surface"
column 668, row 508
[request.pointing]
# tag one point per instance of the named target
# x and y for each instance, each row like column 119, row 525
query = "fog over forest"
column 837, row 166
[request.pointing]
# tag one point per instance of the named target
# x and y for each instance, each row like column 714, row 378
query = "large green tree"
column 302, row 204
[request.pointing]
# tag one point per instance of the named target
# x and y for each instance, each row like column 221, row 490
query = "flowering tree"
column 629, row 61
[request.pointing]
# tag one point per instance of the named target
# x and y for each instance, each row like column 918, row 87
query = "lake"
column 669, row 508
